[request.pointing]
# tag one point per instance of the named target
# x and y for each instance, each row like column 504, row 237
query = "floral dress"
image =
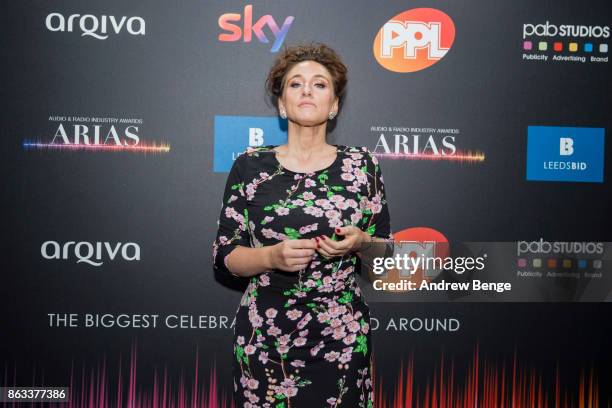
column 302, row 339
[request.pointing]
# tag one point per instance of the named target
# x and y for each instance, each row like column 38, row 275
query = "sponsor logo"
column 565, row 43
column 94, row 254
column 575, row 260
column 96, row 27
column 565, row 154
column 230, row 23
column 233, row 134
column 414, row 40
column 421, row 143
column 95, row 134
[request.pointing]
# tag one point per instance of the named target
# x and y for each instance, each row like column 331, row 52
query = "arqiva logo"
column 414, row 40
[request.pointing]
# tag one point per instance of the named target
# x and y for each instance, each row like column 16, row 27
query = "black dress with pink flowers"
column 302, row 339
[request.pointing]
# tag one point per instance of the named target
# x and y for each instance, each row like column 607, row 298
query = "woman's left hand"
column 353, row 238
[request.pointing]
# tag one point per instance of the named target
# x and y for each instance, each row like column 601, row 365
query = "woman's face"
column 308, row 94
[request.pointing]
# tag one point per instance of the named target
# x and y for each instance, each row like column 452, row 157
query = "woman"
column 294, row 218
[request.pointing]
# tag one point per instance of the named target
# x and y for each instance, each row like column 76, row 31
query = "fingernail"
column 323, row 237
column 337, row 230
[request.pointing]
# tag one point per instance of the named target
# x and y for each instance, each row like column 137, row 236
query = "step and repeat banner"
column 489, row 120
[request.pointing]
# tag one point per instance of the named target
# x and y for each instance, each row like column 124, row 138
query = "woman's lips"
column 301, row 105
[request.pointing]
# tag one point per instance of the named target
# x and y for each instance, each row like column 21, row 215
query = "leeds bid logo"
column 414, row 40
column 556, row 153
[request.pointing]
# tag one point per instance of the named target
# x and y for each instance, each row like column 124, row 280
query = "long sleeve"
column 376, row 214
column 233, row 219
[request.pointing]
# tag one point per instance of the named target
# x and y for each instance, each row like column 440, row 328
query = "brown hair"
column 317, row 52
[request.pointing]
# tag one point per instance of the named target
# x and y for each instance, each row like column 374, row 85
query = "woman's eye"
column 294, row 84
column 322, row 86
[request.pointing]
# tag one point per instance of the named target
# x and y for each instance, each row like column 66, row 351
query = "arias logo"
column 93, row 133
column 414, row 40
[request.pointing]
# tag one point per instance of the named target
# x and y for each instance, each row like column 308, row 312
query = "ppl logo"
column 236, row 32
column 565, row 154
column 414, row 243
column 233, row 134
column 414, row 40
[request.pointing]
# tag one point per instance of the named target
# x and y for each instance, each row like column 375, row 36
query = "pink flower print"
column 300, row 294
column 323, row 317
column 336, row 323
column 331, row 356
column 332, row 401
column 317, row 274
column 303, row 333
column 352, row 189
column 271, row 313
column 351, row 203
column 264, row 279
column 299, row 342
column 232, row 198
column 350, row 339
column 310, row 283
column 309, row 195
column 374, row 159
column 353, row 326
column 307, row 228
column 347, row 177
column 298, row 202
column 339, row 333
column 332, row 214
column 342, row 205
column 291, row 301
column 252, row 384
column 365, row 328
column 274, row 331
column 335, row 222
column 302, row 323
column 321, row 202
column 282, row 211
column 344, row 358
column 336, row 198
column 288, row 387
column 264, row 175
column 356, row 156
column 347, row 318
column 284, row 339
column 282, row 349
column 240, row 340
column 298, row 363
column 317, row 348
column 255, row 320
column 250, row 349
column 314, row 211
column 309, row 183
column 268, row 219
column 250, row 191
column 356, row 217
column 263, row 357
column 347, row 161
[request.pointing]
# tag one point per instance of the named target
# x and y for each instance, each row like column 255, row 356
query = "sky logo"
column 234, row 32
column 233, row 134
column 557, row 153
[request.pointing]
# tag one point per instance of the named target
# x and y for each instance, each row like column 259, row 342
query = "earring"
column 331, row 115
column 283, row 114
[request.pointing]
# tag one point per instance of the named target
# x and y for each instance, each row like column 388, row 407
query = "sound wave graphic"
column 142, row 147
column 462, row 157
column 486, row 384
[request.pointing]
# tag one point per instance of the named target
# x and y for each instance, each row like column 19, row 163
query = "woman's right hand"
column 292, row 255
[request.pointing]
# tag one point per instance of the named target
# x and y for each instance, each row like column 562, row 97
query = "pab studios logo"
column 565, row 43
column 414, row 40
column 95, row 134
column 230, row 22
column 233, row 134
column 565, row 154
column 94, row 254
column 94, row 26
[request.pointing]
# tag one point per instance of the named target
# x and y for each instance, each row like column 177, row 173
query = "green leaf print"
column 239, row 353
column 347, row 297
column 371, row 229
column 292, row 233
column 337, row 188
column 362, row 345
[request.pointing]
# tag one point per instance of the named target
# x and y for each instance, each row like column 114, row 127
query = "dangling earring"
column 283, row 114
column 331, row 115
